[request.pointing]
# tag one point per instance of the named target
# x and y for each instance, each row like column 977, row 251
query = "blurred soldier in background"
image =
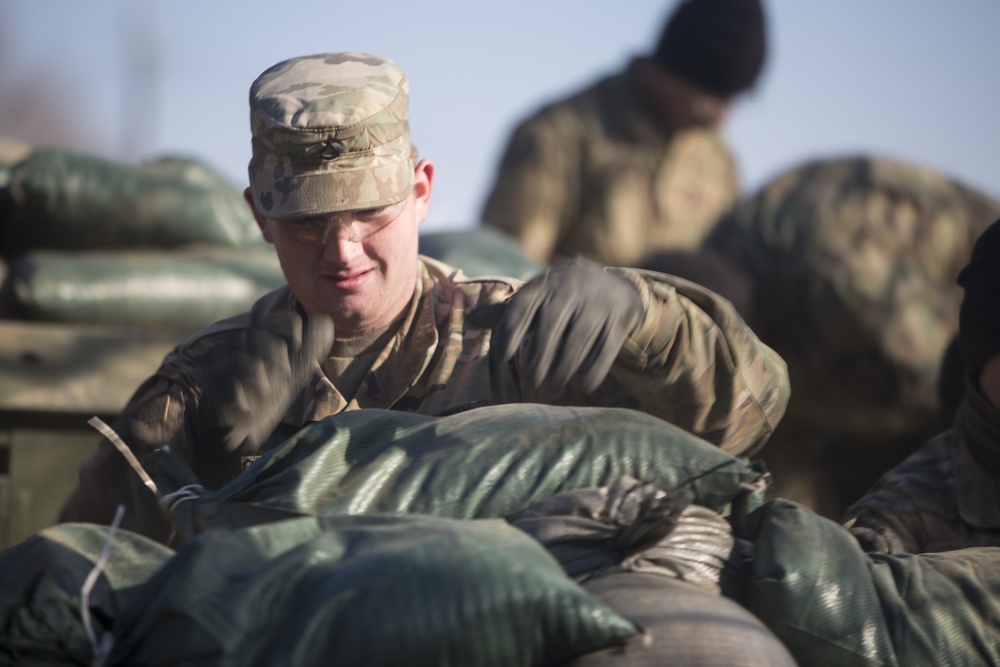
column 945, row 496
column 365, row 322
column 847, row 268
column 635, row 162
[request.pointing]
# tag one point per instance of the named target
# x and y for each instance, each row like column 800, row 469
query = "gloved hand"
column 246, row 398
column 577, row 317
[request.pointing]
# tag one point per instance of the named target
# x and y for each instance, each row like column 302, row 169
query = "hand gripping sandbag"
column 484, row 463
column 66, row 200
column 366, row 591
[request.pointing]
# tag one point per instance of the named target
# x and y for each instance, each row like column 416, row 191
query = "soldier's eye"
column 370, row 214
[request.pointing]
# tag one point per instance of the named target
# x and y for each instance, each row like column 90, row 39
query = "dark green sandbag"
column 181, row 289
column 365, row 591
column 834, row 605
column 483, row 463
column 483, row 251
column 43, row 577
column 190, row 170
column 67, row 200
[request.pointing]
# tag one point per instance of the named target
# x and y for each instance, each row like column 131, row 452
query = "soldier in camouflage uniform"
column 945, row 496
column 365, row 322
column 847, row 267
column 635, row 162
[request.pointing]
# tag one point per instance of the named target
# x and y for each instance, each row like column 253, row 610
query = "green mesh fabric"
column 62, row 199
column 41, row 612
column 832, row 604
column 483, row 463
column 372, row 590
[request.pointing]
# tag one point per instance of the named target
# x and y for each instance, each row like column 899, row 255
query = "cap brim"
column 304, row 195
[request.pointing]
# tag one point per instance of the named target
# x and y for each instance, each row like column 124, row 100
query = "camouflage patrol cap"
column 329, row 133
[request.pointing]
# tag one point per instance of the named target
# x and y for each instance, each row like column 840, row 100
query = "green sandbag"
column 483, row 251
column 183, row 289
column 364, row 591
column 834, row 605
column 190, row 170
column 43, row 578
column 67, row 200
column 483, row 463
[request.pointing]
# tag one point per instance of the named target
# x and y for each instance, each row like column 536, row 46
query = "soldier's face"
column 363, row 285
column 681, row 104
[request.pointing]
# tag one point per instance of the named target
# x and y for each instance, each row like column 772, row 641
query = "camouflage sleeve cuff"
column 642, row 332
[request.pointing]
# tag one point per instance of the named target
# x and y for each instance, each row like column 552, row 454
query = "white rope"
column 120, row 445
column 103, row 647
column 189, row 492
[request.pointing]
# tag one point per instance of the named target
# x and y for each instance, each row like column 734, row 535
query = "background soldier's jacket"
column 691, row 361
column 946, row 495
column 600, row 176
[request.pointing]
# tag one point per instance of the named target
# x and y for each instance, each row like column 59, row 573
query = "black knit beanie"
column 717, row 45
column 979, row 318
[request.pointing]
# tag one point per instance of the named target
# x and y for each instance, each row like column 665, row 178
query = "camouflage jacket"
column 598, row 175
column 946, row 495
column 691, row 361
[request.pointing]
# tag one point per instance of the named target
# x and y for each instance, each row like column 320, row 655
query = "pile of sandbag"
column 384, row 538
column 167, row 244
column 505, row 535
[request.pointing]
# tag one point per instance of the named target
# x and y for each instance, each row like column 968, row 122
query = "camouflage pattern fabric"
column 598, row 175
column 946, row 495
column 341, row 142
column 853, row 262
column 691, row 361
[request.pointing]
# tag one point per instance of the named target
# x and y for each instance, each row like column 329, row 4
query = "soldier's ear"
column 265, row 227
column 423, row 179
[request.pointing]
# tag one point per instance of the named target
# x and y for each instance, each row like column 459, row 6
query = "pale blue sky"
column 912, row 79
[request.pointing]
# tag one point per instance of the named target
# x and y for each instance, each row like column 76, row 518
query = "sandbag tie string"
column 102, row 648
column 188, row 492
column 120, row 445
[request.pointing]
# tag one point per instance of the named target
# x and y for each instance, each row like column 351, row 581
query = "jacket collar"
column 398, row 365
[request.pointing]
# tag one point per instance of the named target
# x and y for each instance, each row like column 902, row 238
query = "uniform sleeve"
column 216, row 398
column 915, row 501
column 694, row 362
column 534, row 187
column 157, row 414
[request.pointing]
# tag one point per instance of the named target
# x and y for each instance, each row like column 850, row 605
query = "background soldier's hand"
column 877, row 540
column 576, row 317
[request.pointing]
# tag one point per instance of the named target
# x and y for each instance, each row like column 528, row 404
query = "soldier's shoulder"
column 834, row 199
column 448, row 282
column 579, row 107
column 864, row 251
